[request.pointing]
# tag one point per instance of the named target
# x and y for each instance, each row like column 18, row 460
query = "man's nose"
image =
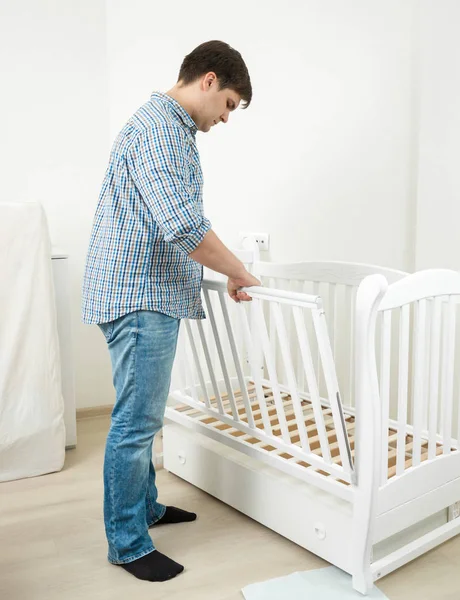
column 224, row 117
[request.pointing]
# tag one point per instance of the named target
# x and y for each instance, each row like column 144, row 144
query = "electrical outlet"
column 261, row 239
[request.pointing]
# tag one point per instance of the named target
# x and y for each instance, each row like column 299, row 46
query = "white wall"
column 322, row 158
column 55, row 140
column 438, row 203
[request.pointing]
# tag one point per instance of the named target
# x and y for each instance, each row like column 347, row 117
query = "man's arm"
column 212, row 253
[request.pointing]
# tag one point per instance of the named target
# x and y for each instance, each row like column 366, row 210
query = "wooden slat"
column 288, row 366
column 409, row 463
column 317, row 358
column 220, row 351
column 254, row 358
column 419, row 378
column 208, row 359
column 332, row 388
column 313, row 434
column 403, row 381
column 350, row 303
column 332, row 318
column 385, row 378
column 236, row 358
column 448, row 373
column 434, row 377
column 307, row 360
column 262, row 334
column 197, row 363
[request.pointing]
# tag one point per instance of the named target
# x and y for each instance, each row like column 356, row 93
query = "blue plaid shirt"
column 148, row 220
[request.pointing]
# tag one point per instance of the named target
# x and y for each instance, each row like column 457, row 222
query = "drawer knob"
column 320, row 531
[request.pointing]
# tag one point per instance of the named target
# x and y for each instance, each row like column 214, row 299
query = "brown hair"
column 226, row 62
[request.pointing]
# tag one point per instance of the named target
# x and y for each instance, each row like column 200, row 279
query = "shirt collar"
column 177, row 110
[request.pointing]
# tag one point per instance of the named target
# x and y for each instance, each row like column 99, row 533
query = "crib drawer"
column 304, row 514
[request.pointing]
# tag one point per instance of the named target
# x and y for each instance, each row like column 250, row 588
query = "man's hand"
column 234, row 285
column 212, row 253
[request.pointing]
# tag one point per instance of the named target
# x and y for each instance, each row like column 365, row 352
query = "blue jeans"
column 142, row 346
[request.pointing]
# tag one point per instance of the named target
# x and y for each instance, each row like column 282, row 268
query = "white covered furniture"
column 32, row 431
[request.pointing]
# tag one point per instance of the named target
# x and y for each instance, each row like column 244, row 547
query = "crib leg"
column 363, row 582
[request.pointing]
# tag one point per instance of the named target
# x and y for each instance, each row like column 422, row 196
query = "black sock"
column 175, row 515
column 153, row 567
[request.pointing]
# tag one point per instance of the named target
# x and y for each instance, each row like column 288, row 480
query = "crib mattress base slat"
column 310, row 428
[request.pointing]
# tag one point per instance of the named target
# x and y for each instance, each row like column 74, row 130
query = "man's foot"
column 175, row 515
column 153, row 567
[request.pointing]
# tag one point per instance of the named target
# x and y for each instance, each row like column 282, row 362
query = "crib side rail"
column 223, row 376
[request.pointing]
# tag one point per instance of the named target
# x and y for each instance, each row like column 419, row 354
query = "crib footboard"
column 409, row 459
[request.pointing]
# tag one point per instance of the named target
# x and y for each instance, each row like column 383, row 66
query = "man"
column 143, row 274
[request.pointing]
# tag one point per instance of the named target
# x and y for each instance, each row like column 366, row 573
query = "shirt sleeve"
column 158, row 164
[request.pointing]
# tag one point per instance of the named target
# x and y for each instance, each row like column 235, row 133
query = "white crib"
column 325, row 410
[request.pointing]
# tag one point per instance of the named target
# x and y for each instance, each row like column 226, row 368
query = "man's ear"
column 209, row 80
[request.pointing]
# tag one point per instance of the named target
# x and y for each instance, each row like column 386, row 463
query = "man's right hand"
column 234, row 286
column 212, row 253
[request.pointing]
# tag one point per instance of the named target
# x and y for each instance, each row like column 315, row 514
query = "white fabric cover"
column 32, row 431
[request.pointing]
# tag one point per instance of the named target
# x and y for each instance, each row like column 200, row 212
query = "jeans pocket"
column 107, row 330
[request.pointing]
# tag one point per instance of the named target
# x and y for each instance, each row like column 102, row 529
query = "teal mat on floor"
column 320, row 584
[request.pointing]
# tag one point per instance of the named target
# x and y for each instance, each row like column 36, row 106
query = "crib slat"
column 210, row 366
column 332, row 318
column 434, row 377
column 236, row 359
column 333, row 389
column 300, row 373
column 448, row 373
column 385, row 378
column 220, row 353
column 317, row 356
column 403, row 382
column 305, row 353
column 239, row 338
column 289, row 370
column 210, row 342
column 297, row 357
column 261, row 330
column 254, row 366
column 287, row 319
column 426, row 389
column 349, row 295
column 181, row 359
column 419, row 379
column 197, row 363
column 189, row 371
column 271, row 324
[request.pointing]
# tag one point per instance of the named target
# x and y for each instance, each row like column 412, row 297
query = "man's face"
column 216, row 104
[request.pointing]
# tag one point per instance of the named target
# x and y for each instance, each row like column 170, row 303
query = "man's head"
column 213, row 80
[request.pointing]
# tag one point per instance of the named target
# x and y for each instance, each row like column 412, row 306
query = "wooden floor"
column 53, row 547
